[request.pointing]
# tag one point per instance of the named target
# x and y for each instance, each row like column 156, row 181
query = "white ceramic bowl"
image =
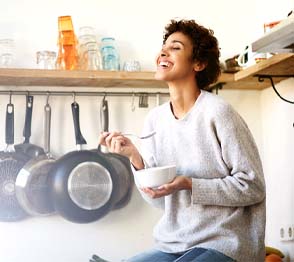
column 155, row 176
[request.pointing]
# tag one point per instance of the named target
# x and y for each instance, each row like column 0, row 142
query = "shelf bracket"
column 143, row 100
column 270, row 77
column 217, row 87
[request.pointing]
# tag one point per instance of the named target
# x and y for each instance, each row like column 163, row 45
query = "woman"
column 214, row 210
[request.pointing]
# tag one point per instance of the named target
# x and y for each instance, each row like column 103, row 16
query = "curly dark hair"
column 205, row 49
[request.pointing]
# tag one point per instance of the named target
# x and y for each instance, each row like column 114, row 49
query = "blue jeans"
column 193, row 255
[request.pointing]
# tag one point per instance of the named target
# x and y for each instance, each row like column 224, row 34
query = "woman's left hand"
column 179, row 183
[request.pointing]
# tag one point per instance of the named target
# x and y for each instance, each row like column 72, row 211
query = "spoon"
column 140, row 137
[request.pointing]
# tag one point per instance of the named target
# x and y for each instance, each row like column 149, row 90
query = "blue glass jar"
column 110, row 55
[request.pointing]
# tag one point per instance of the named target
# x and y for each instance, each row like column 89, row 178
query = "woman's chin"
column 159, row 76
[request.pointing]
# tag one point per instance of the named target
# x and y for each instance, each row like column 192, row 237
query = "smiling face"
column 174, row 62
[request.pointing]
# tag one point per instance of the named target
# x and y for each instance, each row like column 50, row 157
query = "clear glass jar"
column 46, row 59
column 92, row 56
column 86, row 30
column 82, row 49
column 110, row 55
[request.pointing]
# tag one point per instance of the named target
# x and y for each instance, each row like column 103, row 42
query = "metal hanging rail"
column 81, row 93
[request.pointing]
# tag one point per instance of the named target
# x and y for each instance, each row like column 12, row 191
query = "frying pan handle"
column 9, row 125
column 80, row 140
column 104, row 115
column 47, row 127
column 28, row 119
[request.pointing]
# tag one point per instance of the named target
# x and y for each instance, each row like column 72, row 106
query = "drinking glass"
column 132, row 65
column 6, row 52
column 46, row 59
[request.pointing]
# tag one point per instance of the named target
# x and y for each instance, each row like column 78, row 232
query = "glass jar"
column 46, row 59
column 86, row 35
column 92, row 57
column 110, row 55
column 86, row 30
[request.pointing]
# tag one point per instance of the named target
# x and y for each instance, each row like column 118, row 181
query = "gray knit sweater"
column 226, row 208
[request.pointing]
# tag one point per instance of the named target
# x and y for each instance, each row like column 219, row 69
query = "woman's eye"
column 176, row 48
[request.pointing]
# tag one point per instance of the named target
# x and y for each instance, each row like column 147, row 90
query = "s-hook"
column 47, row 97
column 133, row 103
column 74, row 97
column 10, row 96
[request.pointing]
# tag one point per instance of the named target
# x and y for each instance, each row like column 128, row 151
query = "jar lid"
column 109, row 38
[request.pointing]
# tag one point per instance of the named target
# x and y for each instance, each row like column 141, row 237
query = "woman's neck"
column 183, row 97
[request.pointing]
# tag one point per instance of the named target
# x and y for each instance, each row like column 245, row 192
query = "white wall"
column 278, row 150
column 138, row 30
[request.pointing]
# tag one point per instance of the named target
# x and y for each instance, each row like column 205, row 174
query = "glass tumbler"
column 46, row 59
column 6, row 52
column 132, row 65
column 67, row 45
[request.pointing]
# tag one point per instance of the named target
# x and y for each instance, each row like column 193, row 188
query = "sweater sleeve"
column 244, row 185
column 148, row 156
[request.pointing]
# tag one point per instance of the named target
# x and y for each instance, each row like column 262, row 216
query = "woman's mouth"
column 164, row 64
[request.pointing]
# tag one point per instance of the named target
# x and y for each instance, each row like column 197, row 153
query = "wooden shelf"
column 277, row 65
column 40, row 77
column 281, row 64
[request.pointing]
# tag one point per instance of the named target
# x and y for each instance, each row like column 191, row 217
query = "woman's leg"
column 154, row 256
column 204, row 255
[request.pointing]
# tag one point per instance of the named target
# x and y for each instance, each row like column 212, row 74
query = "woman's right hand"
column 119, row 144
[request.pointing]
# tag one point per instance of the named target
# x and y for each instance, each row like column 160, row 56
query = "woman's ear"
column 199, row 66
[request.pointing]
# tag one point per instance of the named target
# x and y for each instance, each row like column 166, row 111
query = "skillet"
column 32, row 186
column 82, row 181
column 10, row 165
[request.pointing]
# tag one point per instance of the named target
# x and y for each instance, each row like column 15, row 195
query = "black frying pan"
column 26, row 147
column 120, row 163
column 82, row 182
column 32, row 186
column 10, row 210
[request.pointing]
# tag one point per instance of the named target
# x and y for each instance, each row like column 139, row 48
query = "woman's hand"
column 116, row 143
column 119, row 144
column 179, row 183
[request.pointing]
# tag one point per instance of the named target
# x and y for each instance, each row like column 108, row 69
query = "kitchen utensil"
column 120, row 163
column 125, row 179
column 82, row 182
column 140, row 137
column 104, row 115
column 32, row 186
column 10, row 165
column 26, row 147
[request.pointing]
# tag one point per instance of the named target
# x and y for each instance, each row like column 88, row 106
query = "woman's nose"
column 163, row 52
